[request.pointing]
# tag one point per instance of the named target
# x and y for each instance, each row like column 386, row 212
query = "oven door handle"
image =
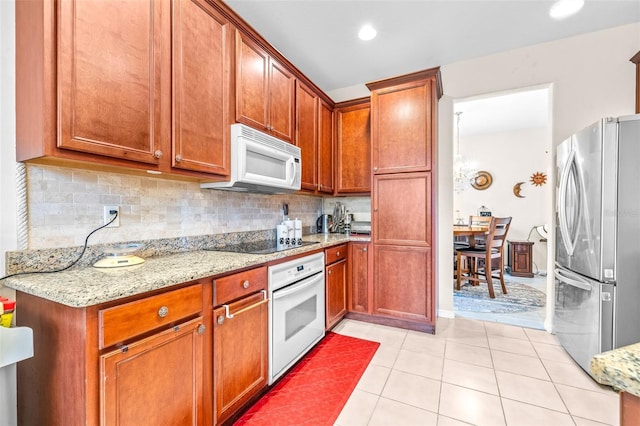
column 255, row 305
column 278, row 294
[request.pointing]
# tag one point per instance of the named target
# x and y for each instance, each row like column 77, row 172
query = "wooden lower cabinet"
column 157, row 380
column 91, row 369
column 240, row 336
column 336, row 297
column 403, row 286
column 359, row 277
column 519, row 258
column 335, row 284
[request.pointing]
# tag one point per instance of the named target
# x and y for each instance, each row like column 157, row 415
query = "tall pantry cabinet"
column 403, row 135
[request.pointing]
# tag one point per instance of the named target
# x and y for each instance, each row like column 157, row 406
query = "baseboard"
column 445, row 313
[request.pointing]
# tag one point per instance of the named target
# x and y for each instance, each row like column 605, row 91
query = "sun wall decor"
column 538, row 179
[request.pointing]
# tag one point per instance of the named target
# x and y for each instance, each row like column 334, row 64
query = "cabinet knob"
column 163, row 311
column 201, row 329
column 158, row 154
column 337, row 254
column 178, row 158
column 364, row 249
column 375, row 169
column 375, row 209
column 220, row 319
column 245, row 284
column 329, row 271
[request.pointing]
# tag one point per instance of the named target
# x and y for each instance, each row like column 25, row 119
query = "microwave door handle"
column 291, row 166
column 572, row 282
column 562, row 202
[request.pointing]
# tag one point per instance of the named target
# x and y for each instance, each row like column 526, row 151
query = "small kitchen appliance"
column 324, row 223
column 122, row 255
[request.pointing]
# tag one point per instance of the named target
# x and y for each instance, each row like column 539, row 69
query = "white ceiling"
column 320, row 36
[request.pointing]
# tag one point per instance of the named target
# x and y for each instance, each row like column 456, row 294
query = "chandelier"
column 464, row 171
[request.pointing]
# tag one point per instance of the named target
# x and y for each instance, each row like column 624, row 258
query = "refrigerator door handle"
column 569, row 241
column 565, row 278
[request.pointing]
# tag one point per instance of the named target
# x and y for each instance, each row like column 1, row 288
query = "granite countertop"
column 89, row 286
column 619, row 368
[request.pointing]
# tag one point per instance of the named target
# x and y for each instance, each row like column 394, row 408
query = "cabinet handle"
column 245, row 284
column 158, row 154
column 201, row 329
column 178, row 158
column 163, row 311
column 230, row 315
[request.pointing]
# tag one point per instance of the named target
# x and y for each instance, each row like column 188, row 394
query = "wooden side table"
column 520, row 258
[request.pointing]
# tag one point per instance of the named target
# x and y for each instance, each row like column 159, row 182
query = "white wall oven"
column 296, row 311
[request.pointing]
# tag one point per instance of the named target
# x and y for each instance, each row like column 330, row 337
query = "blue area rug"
column 519, row 298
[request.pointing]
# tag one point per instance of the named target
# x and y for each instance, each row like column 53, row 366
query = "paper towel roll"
column 282, row 234
column 297, row 231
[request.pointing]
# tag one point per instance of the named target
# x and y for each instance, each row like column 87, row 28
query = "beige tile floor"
column 472, row 372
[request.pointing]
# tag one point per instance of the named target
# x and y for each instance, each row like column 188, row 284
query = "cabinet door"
column 403, row 284
column 240, row 354
column 282, row 85
column 359, row 277
column 306, row 134
column 401, row 127
column 252, row 79
column 202, row 95
column 336, row 288
column 402, row 209
column 325, row 148
column 113, row 100
column 157, row 380
column 353, row 149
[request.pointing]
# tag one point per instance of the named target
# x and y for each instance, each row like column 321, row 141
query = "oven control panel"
column 286, row 273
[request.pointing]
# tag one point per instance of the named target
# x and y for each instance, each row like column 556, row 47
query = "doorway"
column 504, row 139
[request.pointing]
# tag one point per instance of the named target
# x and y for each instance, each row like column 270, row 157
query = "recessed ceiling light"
column 367, row 32
column 564, row 8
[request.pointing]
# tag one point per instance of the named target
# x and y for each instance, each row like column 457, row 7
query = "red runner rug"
column 315, row 391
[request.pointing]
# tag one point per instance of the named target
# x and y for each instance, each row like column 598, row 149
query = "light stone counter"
column 619, row 368
column 89, row 286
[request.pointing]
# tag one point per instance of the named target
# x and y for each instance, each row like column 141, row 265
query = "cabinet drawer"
column 334, row 254
column 131, row 319
column 237, row 285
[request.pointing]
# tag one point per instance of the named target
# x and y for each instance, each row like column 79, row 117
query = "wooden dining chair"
column 495, row 240
column 482, row 221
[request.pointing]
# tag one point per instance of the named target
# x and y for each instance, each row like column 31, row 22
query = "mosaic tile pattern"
column 65, row 204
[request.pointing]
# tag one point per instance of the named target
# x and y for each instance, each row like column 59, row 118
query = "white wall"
column 590, row 77
column 8, row 232
column 510, row 157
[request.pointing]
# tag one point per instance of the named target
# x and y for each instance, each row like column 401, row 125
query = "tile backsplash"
column 65, row 204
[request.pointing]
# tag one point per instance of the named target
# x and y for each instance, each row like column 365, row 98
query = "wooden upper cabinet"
column 112, row 100
column 353, row 147
column 314, row 136
column 203, row 54
column 325, row 148
column 265, row 90
column 307, row 134
column 403, row 122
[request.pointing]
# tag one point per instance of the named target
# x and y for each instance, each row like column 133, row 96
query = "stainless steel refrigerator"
column 597, row 276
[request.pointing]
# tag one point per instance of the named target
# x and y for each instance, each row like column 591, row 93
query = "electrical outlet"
column 108, row 216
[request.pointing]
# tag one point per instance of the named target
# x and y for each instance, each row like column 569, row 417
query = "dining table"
column 470, row 232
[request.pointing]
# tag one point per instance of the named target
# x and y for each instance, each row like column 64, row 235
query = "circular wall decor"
column 482, row 181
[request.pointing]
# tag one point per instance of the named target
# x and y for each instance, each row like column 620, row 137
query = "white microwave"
column 260, row 163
